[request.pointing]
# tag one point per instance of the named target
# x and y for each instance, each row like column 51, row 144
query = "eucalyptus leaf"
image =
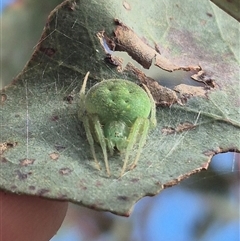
column 44, row 150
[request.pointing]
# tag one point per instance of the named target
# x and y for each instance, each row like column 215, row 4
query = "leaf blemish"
column 126, row 6
column 48, row 51
column 54, row 156
column 134, row 180
column 55, row 118
column 26, row 161
column 59, row 147
column 68, row 99
column 123, row 198
column 32, row 188
column 3, row 98
column 6, row 145
column 65, row 171
column 42, row 192
column 178, row 129
column 22, row 176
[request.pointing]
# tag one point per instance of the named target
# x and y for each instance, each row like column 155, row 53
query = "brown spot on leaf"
column 22, row 176
column 54, row 118
column 3, row 147
column 93, row 207
column 123, row 198
column 3, row 98
column 54, row 156
column 6, row 145
column 26, row 161
column 65, row 171
column 209, row 15
column 59, row 147
column 168, row 130
column 68, row 99
column 32, row 188
column 42, row 192
column 134, row 180
column 126, row 5
column 48, row 51
column 186, row 126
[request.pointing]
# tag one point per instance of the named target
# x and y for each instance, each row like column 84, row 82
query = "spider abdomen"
column 117, row 99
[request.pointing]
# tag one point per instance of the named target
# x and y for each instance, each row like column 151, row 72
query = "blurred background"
column 202, row 208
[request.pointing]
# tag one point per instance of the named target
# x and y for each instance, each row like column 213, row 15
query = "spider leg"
column 101, row 139
column 90, row 139
column 82, row 91
column 153, row 119
column 81, row 107
column 142, row 141
column 132, row 140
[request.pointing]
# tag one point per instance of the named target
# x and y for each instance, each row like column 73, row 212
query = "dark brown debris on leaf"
column 6, row 145
column 126, row 40
column 163, row 96
column 187, row 91
column 205, row 78
column 186, row 126
column 113, row 60
column 68, row 99
column 3, row 98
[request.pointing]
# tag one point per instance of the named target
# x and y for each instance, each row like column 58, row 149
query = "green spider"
column 116, row 113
